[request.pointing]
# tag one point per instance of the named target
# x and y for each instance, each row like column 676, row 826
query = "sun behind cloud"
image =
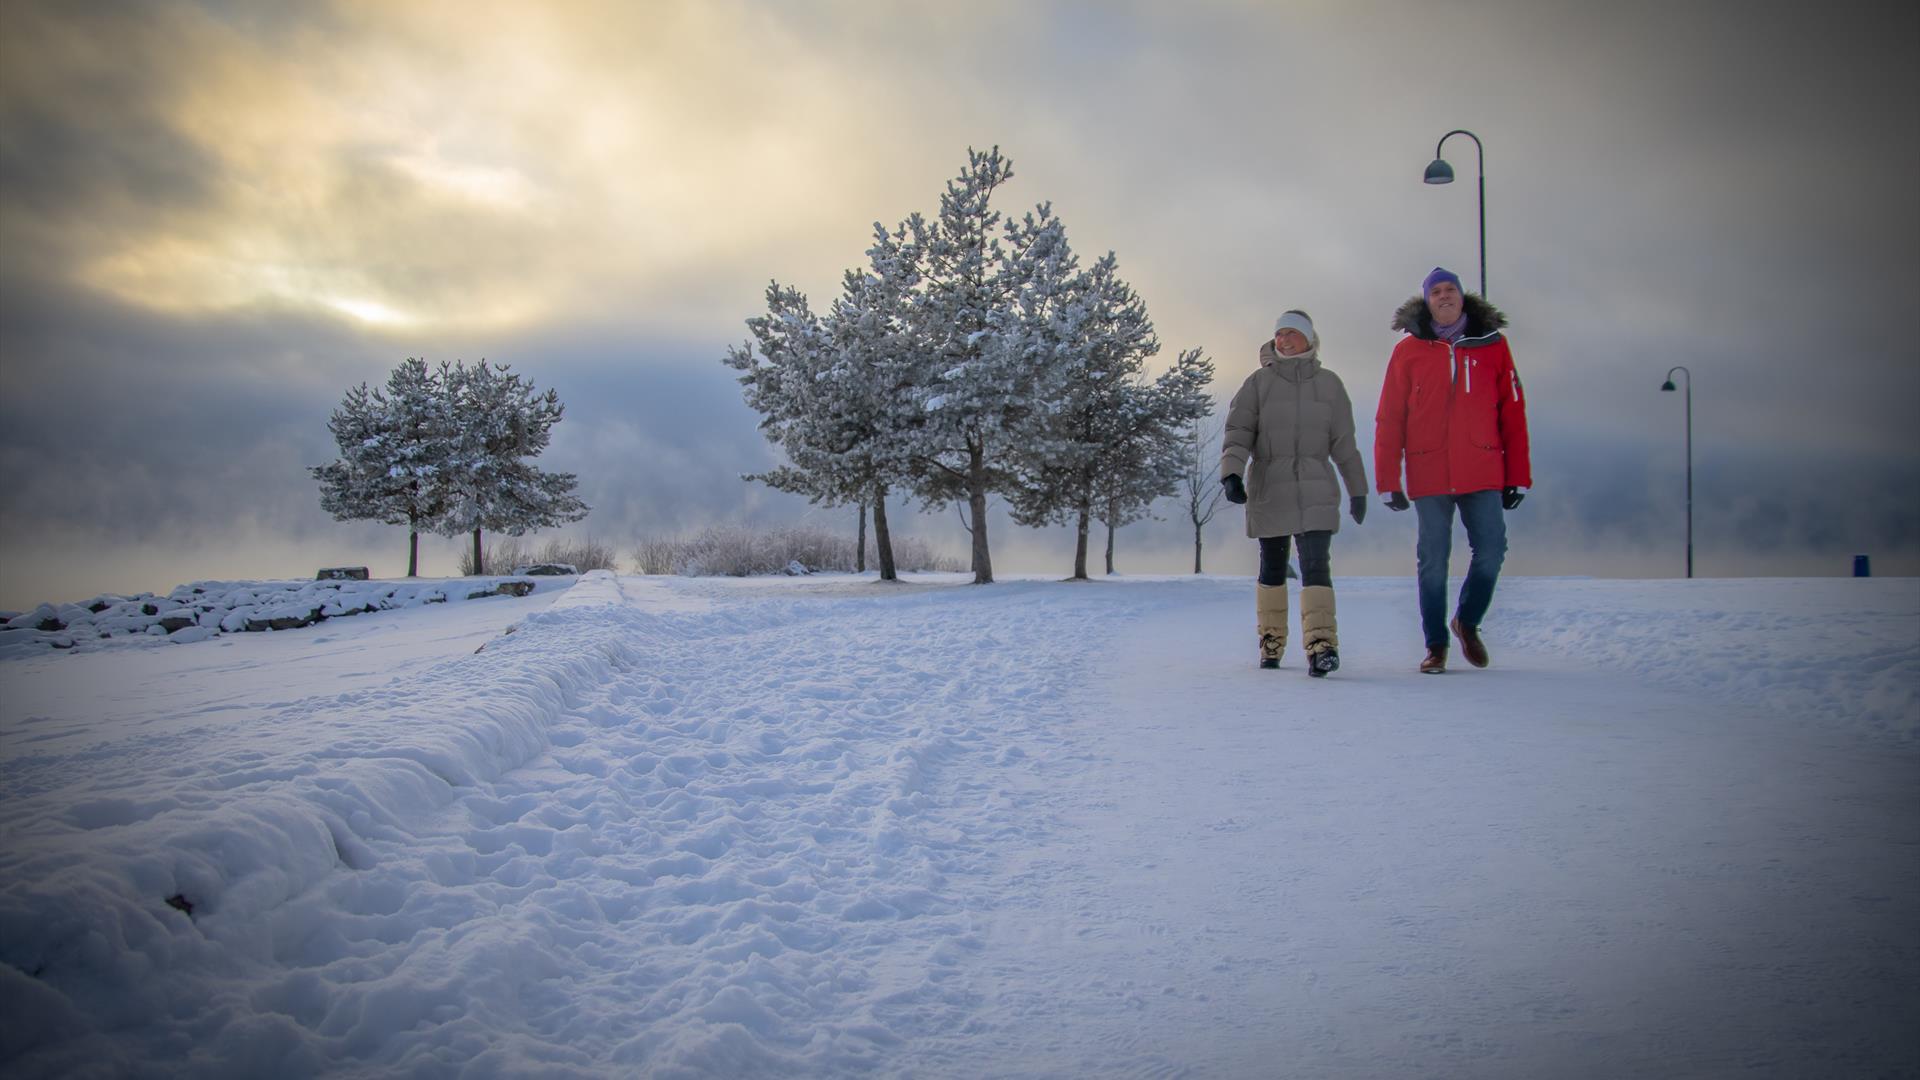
column 489, row 166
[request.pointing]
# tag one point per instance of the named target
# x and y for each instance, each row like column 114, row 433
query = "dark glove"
column 1510, row 497
column 1357, row 506
column 1236, row 491
column 1397, row 501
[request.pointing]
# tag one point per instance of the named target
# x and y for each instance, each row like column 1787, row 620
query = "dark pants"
column 1486, row 524
column 1316, row 566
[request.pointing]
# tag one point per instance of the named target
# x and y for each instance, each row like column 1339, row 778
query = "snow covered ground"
column 825, row 827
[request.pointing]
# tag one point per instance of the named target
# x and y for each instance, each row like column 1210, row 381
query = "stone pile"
column 206, row 609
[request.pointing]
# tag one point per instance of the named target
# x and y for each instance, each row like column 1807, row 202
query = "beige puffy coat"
column 1287, row 428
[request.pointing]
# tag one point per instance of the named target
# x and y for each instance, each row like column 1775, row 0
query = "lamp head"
column 1668, row 385
column 1439, row 172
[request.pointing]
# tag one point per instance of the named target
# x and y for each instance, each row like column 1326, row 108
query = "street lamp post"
column 1668, row 385
column 1442, row 173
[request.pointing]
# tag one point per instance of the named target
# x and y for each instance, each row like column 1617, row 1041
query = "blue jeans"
column 1486, row 523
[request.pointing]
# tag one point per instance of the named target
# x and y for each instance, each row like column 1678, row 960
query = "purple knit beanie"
column 1439, row 274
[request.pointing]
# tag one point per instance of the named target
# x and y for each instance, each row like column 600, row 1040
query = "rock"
column 254, row 625
column 551, row 569
column 341, row 573
column 796, row 568
column 174, row 623
column 513, row 588
column 37, row 619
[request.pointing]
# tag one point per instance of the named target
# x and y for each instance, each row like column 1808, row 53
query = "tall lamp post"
column 1442, row 173
column 1668, row 386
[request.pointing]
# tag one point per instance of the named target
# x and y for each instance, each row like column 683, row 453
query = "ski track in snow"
column 709, row 828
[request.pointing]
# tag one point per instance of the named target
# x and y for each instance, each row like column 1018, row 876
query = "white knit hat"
column 1297, row 320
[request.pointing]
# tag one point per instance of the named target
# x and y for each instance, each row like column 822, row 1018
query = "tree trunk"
column 1082, row 528
column 882, row 536
column 413, row 552
column 1110, row 516
column 860, row 538
column 977, row 503
column 478, row 566
column 1196, row 549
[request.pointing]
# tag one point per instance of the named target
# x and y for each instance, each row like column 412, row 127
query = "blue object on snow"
column 1862, row 567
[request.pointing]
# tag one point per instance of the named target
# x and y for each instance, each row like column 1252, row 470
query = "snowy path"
column 1536, row 870
column 708, row 828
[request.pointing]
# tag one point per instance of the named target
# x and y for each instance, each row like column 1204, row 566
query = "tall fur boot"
column 1319, row 632
column 1272, row 607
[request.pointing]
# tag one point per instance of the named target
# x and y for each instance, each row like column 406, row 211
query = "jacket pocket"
column 1426, row 419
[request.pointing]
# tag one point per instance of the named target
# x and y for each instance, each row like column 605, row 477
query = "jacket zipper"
column 1299, row 501
column 1453, row 361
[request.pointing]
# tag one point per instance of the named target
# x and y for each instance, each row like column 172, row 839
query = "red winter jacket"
column 1456, row 413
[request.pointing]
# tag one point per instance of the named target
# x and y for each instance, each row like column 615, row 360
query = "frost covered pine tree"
column 978, row 388
column 501, row 421
column 833, row 394
column 1105, row 446
column 1092, row 333
column 395, row 443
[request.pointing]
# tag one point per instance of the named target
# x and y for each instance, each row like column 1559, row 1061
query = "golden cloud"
column 426, row 164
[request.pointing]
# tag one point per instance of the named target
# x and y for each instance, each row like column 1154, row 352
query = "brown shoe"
column 1471, row 646
column 1435, row 663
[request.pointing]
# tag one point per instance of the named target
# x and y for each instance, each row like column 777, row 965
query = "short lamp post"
column 1442, row 173
column 1668, row 385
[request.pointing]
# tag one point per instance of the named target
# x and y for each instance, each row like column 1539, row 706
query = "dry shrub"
column 737, row 551
column 506, row 554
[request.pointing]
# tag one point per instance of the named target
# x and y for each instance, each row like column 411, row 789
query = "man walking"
column 1452, row 411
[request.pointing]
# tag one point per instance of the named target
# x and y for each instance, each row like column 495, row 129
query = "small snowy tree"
column 1148, row 454
column 1199, row 486
column 395, row 444
column 501, row 420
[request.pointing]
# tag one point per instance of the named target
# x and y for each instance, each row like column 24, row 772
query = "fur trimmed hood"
column 1483, row 319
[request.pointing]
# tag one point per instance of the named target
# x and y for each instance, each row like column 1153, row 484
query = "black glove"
column 1357, row 506
column 1510, row 497
column 1397, row 501
column 1236, row 491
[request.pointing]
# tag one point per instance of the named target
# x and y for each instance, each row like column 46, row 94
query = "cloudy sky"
column 219, row 216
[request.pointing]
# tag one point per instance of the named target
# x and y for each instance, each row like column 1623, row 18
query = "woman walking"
column 1288, row 426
